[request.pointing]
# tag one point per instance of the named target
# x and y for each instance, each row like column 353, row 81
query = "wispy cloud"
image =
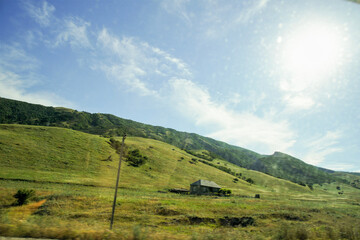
column 74, row 31
column 131, row 62
column 13, row 86
column 298, row 102
column 323, row 146
column 239, row 128
column 42, row 13
column 18, row 73
column 342, row 167
column 215, row 18
column 14, row 57
column 248, row 13
column 33, row 38
column 177, row 7
column 129, row 74
column 71, row 30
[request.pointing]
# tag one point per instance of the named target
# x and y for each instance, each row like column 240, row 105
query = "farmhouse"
column 204, row 187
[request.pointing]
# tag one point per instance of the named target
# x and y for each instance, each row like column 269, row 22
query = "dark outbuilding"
column 204, row 187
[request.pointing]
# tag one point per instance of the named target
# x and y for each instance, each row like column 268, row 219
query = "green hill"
column 51, row 154
column 12, row 111
column 278, row 165
column 287, row 167
column 73, row 174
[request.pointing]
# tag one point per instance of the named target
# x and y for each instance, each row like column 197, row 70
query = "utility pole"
column 117, row 182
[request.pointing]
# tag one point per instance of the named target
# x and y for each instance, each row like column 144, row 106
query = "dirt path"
column 23, row 212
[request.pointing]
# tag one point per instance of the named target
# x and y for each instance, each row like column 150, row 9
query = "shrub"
column 23, row 195
column 135, row 159
column 115, row 145
column 224, row 192
column 249, row 180
column 302, row 184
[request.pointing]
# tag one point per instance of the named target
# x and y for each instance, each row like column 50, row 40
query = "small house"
column 204, row 187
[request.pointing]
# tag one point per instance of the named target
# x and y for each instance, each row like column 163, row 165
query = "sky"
column 266, row 75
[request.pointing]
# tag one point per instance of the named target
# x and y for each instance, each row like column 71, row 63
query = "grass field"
column 74, row 173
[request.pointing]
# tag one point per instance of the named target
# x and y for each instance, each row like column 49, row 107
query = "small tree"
column 135, row 159
column 23, row 195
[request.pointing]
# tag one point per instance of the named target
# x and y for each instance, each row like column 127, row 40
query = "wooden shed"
column 204, row 187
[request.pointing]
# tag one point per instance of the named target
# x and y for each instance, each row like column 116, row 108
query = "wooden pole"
column 117, row 182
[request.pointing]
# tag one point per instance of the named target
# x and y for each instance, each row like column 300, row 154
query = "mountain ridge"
column 278, row 165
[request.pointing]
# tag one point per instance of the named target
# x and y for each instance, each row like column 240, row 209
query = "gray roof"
column 206, row 183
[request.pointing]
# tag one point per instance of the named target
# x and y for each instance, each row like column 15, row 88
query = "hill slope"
column 287, row 167
column 12, row 111
column 50, row 154
column 73, row 174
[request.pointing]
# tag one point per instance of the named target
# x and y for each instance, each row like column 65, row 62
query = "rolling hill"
column 278, row 165
column 58, row 155
column 73, row 174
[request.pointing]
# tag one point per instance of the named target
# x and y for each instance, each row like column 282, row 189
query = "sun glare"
column 312, row 52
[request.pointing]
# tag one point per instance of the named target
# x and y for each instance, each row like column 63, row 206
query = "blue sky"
column 267, row 75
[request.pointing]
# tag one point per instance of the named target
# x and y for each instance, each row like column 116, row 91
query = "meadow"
column 73, row 175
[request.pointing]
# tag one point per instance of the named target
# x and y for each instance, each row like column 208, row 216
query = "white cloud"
column 33, row 38
column 177, row 7
column 252, row 11
column 129, row 74
column 41, row 14
column 298, row 102
column 74, row 31
column 323, row 146
column 15, row 58
column 13, row 86
column 215, row 18
column 71, row 30
column 180, row 65
column 347, row 167
column 243, row 129
column 18, row 74
column 128, row 61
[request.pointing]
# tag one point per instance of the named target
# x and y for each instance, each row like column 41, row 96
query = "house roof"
column 205, row 183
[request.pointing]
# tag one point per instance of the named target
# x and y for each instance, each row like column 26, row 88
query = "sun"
column 311, row 53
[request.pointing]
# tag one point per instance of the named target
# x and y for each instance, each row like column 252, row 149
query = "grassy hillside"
column 12, row 111
column 73, row 174
column 50, row 154
column 287, row 167
column 283, row 166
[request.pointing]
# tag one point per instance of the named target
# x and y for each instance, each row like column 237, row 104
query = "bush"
column 224, row 192
column 135, row 159
column 249, row 180
column 23, row 196
column 115, row 144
